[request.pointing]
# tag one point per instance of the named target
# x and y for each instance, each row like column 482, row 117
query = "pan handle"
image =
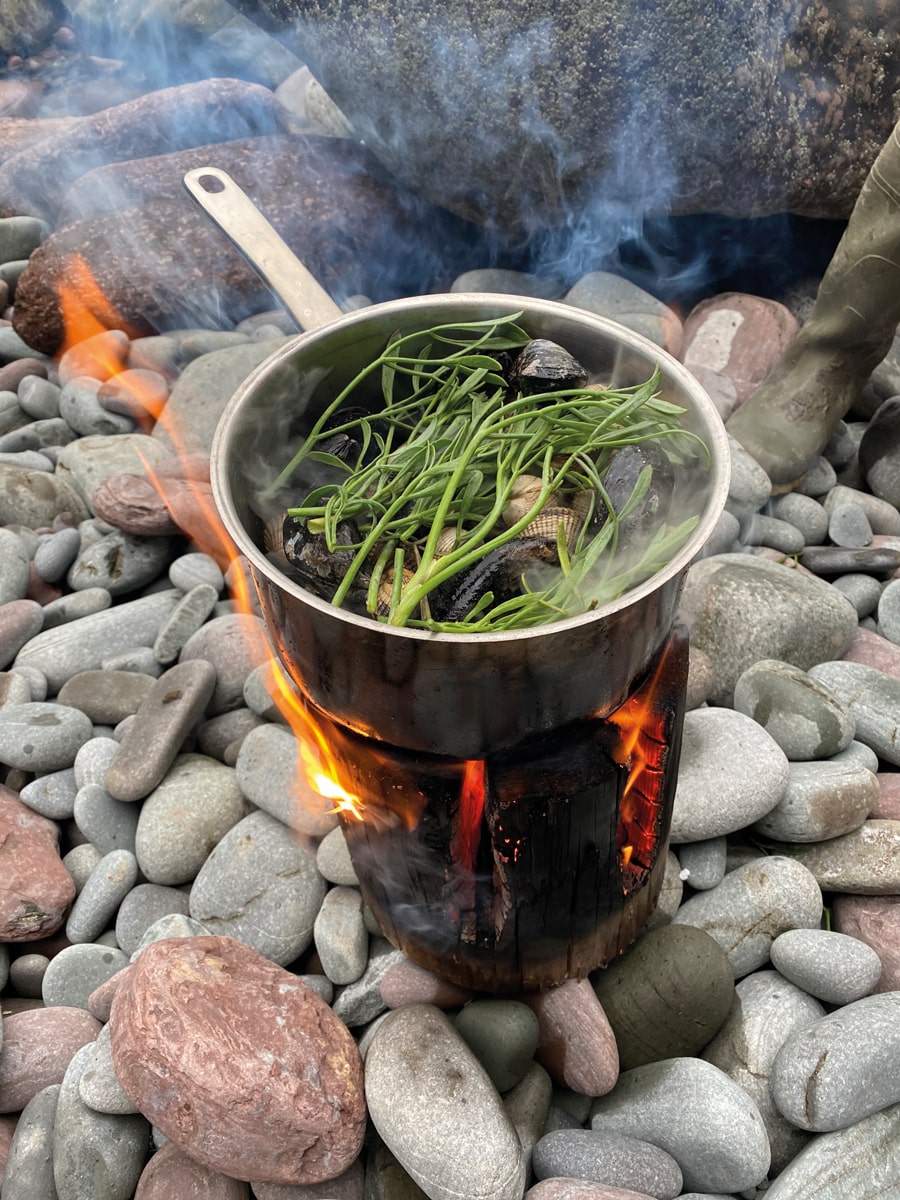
column 237, row 216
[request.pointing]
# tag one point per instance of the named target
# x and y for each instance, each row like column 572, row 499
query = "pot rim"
column 714, row 434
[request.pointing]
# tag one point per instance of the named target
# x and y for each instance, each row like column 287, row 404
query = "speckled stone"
column 96, row 904
column 106, row 823
column 731, row 773
column 577, row 1045
column 260, row 885
column 78, row 970
column 830, row 1075
column 29, row 1168
column 831, row 966
column 703, row 863
column 234, row 645
column 38, row 1045
column 52, row 794
column 823, row 800
column 742, row 609
column 340, row 936
column 874, row 920
column 467, row 1149
column 107, row 697
column 862, row 591
column 767, row 1009
column 752, row 906
column 361, row 1002
column 667, row 995
column 693, row 1111
column 42, row 736
column 98, row 1086
column 865, row 862
column 805, row 514
column 610, row 1158
column 144, row 905
column 333, row 859
column 267, row 771
column 873, row 701
column 503, row 1036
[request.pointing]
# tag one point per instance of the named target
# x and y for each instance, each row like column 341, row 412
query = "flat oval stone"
column 805, row 514
column 407, row 983
column 333, row 859
column 752, row 906
column 823, row 800
column 189, row 570
column 766, row 1011
column 667, row 995
column 340, row 935
column 107, row 697
column 831, row 966
column 94, row 1153
column 96, row 904
column 238, row 1063
column 106, row 823
column 610, row 1158
column 56, row 554
column 168, row 712
column 268, row 771
column 77, row 971
column 14, row 562
column 731, row 773
column 185, row 817
column 866, row 861
column 29, row 1168
column 873, row 700
column 862, row 591
column 35, row 887
column 38, row 1045
column 843, row 1165
column 145, row 904
column 185, row 619
column 577, row 1045
column 173, row 1175
column 503, row 1036
column 260, row 885
column 874, row 920
column 830, row 1075
column 42, row 736
column 82, row 645
column 693, row 1111
column 800, row 714
column 742, row 609
column 75, row 606
column 468, row 1148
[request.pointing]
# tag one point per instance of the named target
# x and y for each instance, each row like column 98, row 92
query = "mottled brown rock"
column 576, row 1045
column 240, row 1064
column 7, row 1129
column 172, row 1175
column 873, row 650
column 17, row 132
column 133, row 504
column 348, row 1186
column 14, row 372
column 738, row 336
column 107, row 697
column 37, row 1047
column 407, row 983
column 35, row 888
column 875, row 920
column 165, row 264
column 189, row 114
column 888, row 805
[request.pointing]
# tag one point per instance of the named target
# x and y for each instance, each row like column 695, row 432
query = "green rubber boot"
column 793, row 413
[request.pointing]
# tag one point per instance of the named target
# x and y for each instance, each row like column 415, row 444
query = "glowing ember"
column 471, row 809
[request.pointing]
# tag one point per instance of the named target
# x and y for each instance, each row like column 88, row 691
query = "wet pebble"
column 667, row 995
column 731, row 773
column 752, row 906
column 260, row 885
column 467, row 1149
column 610, row 1158
column 823, row 800
column 831, row 966
column 831, row 1074
column 694, row 1112
column 95, row 907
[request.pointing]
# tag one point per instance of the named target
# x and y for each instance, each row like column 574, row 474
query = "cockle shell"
column 522, row 498
column 447, row 540
column 273, row 538
column 386, row 588
column 548, row 521
column 586, row 503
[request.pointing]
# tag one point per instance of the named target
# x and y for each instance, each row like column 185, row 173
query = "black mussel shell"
column 500, row 572
column 544, row 366
column 314, row 566
column 625, row 466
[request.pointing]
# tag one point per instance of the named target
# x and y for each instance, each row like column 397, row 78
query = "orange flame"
column 471, row 808
column 86, row 313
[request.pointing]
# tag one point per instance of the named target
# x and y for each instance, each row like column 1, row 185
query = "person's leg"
column 792, row 414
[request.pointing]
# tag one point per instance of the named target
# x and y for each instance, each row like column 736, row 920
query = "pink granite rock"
column 407, row 983
column 888, row 806
column 99, row 1002
column 240, row 1064
column 133, row 504
column 875, row 920
column 35, row 888
column 7, row 1129
column 38, row 1045
column 577, row 1045
column 172, row 1175
column 873, row 650
column 738, row 336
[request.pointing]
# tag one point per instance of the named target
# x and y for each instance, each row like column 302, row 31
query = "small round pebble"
column 42, row 737
column 703, row 863
column 26, row 974
column 503, row 1036
column 110, row 882
column 834, row 967
column 863, row 592
column 77, row 970
column 189, row 570
column 333, row 859
column 849, row 526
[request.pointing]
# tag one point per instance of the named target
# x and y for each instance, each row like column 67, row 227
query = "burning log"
column 162, row 263
column 171, row 119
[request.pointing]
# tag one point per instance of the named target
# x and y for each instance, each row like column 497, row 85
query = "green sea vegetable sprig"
column 446, row 450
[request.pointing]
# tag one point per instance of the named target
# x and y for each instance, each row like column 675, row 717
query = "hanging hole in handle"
column 211, row 183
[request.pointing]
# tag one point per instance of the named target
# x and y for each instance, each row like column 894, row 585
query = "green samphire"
column 544, row 111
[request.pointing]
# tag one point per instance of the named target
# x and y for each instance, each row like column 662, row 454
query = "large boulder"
column 520, row 115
